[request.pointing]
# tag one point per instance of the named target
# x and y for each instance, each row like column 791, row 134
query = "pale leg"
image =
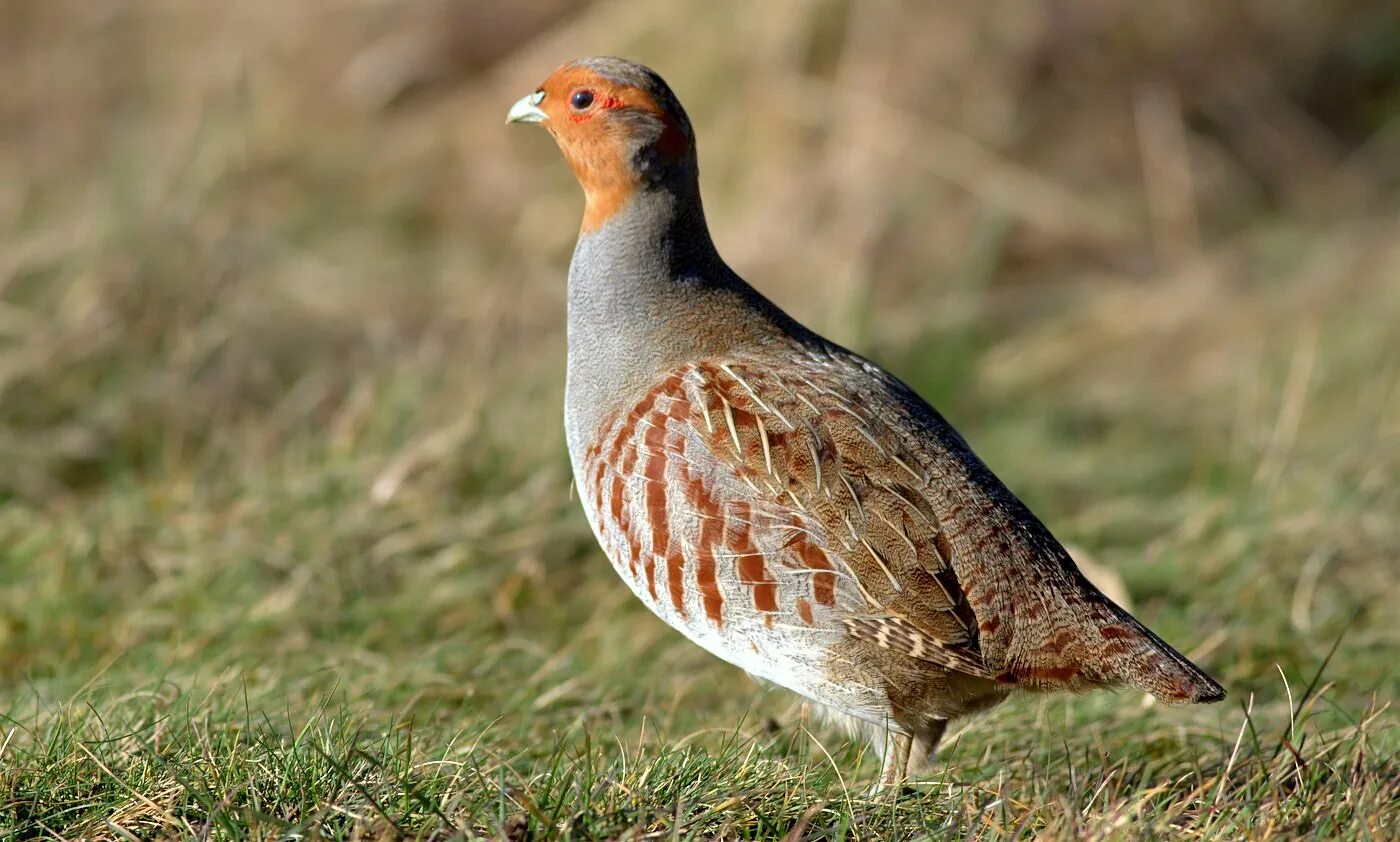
column 896, row 768
column 925, row 747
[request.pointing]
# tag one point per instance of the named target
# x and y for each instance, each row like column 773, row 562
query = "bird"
column 783, row 502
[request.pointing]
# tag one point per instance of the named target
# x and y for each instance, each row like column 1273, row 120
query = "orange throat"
column 607, row 185
column 602, row 202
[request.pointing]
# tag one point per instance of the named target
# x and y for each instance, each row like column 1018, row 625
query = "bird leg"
column 896, row 768
column 906, row 754
column 925, row 747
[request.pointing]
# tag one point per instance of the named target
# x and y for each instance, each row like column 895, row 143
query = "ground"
column 287, row 539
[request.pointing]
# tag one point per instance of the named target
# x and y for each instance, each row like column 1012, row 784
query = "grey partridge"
column 785, row 503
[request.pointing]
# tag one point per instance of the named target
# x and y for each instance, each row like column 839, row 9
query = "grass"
column 287, row 542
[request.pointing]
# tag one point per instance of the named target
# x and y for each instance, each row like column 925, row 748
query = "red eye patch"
column 607, row 103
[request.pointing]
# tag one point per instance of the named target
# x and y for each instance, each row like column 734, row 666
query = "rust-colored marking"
column 624, row 454
column 752, row 571
column 747, row 426
column 615, row 506
column 675, row 580
column 990, row 625
column 823, row 584
column 634, row 552
column 674, row 446
column 1113, row 632
column 711, row 533
column 620, row 510
column 1049, row 675
column 675, row 559
column 598, row 475
column 623, row 434
column 627, row 431
column 599, row 467
column 710, row 372
column 678, row 408
column 804, row 610
column 1060, row 642
column 654, row 496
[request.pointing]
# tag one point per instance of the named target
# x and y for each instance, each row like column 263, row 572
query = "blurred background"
column 282, row 308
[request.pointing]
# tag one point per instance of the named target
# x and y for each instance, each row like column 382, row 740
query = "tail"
column 1134, row 656
column 1105, row 646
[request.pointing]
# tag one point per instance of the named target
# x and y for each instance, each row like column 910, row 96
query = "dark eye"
column 581, row 99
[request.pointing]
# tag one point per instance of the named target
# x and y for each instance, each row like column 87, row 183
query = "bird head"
column 620, row 128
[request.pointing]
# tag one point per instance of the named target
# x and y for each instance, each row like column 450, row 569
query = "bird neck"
column 652, row 230
column 645, row 262
column 645, row 290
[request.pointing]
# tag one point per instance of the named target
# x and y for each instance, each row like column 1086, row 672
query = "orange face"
column 603, row 126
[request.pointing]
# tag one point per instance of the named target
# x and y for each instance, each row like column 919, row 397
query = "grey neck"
column 648, row 292
column 659, row 236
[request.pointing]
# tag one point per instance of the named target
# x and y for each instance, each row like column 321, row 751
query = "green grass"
column 287, row 542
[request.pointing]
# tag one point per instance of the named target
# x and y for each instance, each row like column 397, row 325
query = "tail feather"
column 1134, row 656
column 1106, row 646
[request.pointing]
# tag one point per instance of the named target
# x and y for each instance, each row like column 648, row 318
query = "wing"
column 736, row 494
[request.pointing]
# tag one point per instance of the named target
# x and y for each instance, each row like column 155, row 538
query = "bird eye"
column 581, row 99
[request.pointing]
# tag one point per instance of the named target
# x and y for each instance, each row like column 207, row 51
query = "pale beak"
column 527, row 109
